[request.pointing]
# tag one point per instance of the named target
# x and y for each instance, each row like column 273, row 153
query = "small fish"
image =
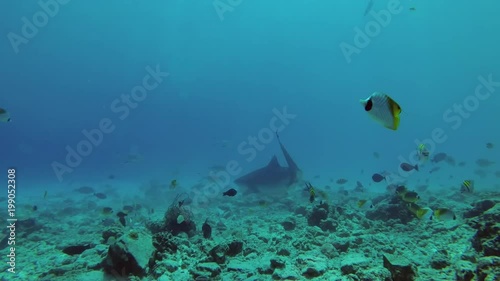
column 377, row 177
column 231, row 192
column 423, row 153
column 489, row 145
column 121, row 216
column 411, row 197
column 483, row 163
column 341, row 181
column 111, row 177
column 4, row 116
column 425, row 214
column 128, row 209
column 173, row 184
column 365, row 204
column 35, row 208
column 206, row 229
column 312, row 193
column 408, row 167
column 413, row 9
column 45, row 194
column 181, row 203
column 401, row 190
column 420, row 213
column 85, row 190
column 467, row 186
column 100, row 195
column 376, row 155
column 444, row 214
column 383, row 109
column 461, row 164
column 107, row 210
column 439, row 157
column 497, row 174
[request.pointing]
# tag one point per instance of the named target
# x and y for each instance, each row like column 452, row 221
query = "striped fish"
column 383, row 109
column 467, row 186
column 312, row 194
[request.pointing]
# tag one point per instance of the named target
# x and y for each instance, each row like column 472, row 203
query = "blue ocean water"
column 226, row 76
column 217, row 73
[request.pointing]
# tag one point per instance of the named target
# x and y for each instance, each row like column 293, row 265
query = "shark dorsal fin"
column 274, row 162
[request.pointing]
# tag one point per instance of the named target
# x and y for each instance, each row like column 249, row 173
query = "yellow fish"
column 412, row 207
column 401, row 190
column 411, row 197
column 107, row 210
column 312, row 194
column 365, row 204
column 418, row 211
column 444, row 214
column 383, row 109
column 467, row 186
column 423, row 153
column 424, row 213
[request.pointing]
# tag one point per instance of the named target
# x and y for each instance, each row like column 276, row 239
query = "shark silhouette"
column 273, row 175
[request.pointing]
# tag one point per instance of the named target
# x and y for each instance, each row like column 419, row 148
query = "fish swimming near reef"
column 441, row 156
column 365, row 204
column 382, row 109
column 312, row 193
column 85, row 190
column 444, row 214
column 408, row 167
column 231, row 192
column 273, row 175
column 378, row 177
column 467, row 186
column 121, row 217
column 410, row 197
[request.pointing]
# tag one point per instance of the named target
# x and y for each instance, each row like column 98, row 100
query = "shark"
column 273, row 175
